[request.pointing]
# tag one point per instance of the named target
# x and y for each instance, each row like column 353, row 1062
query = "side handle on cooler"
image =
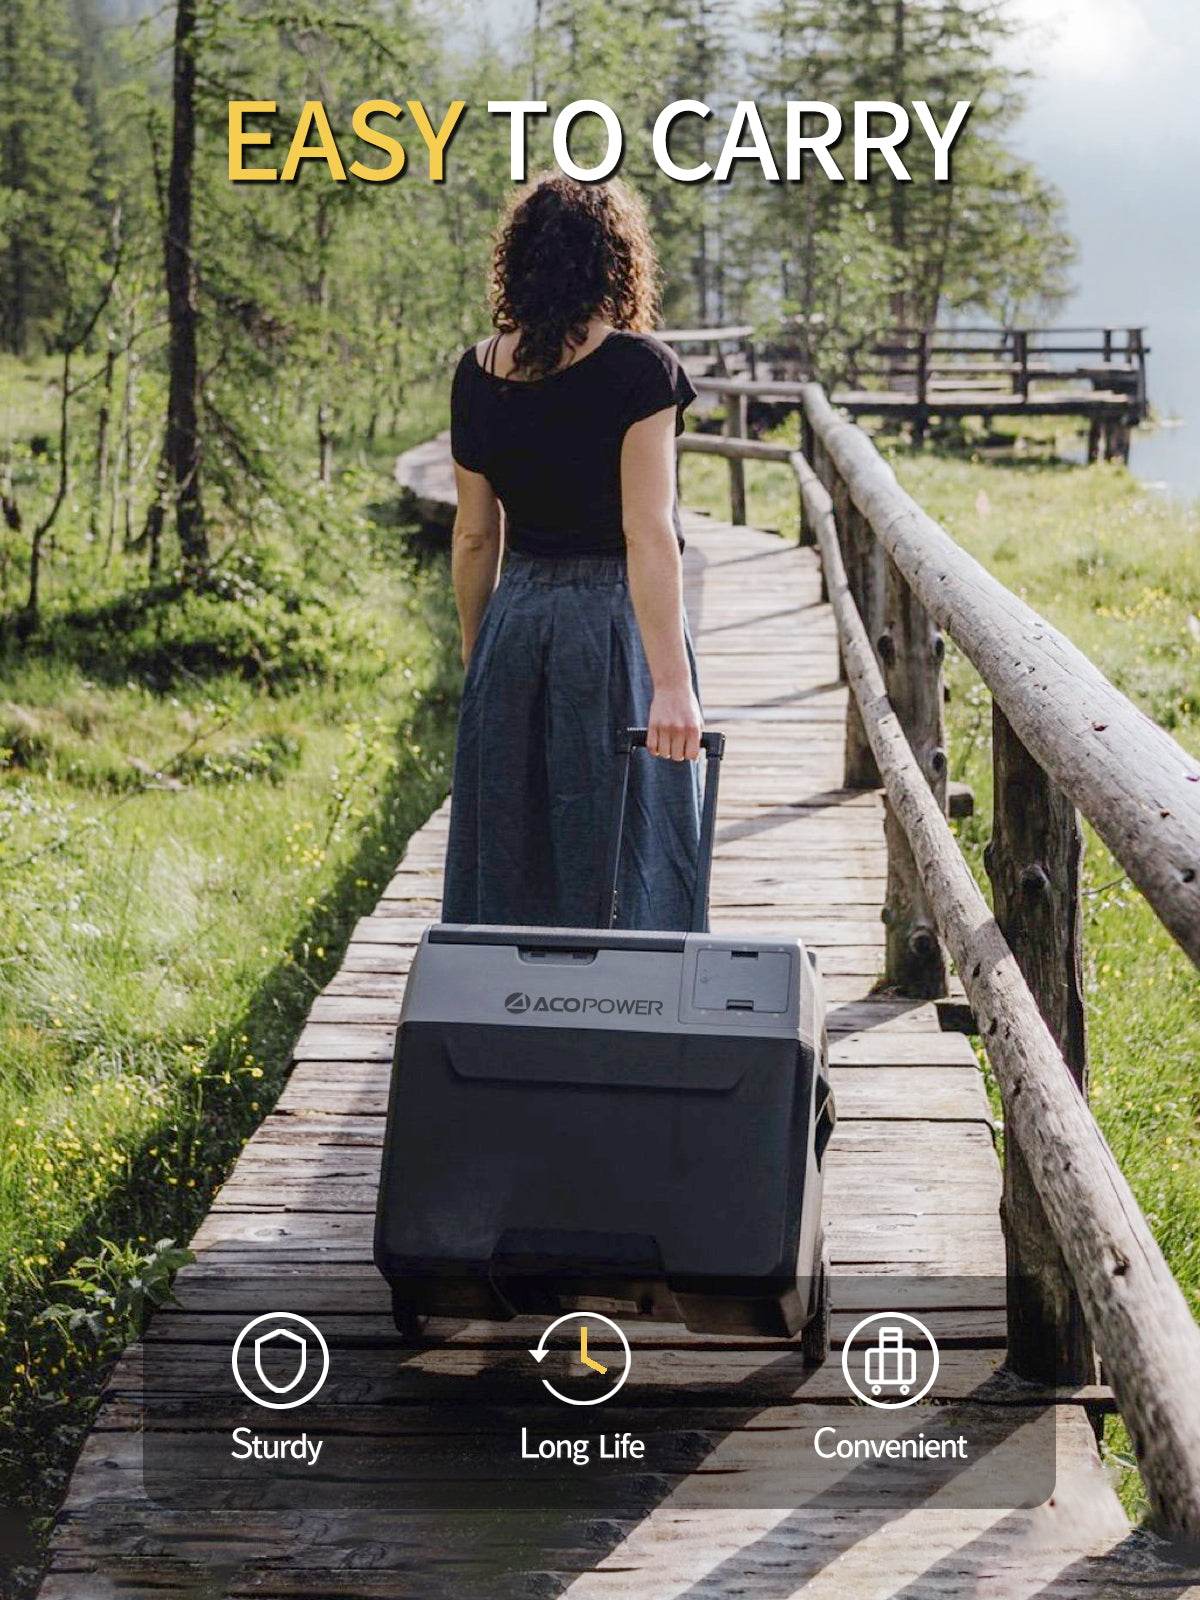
column 826, row 1117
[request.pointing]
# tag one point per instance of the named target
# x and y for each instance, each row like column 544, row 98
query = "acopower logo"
column 574, row 1004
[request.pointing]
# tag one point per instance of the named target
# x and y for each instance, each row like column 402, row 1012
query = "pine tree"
column 694, row 223
column 943, row 51
column 182, row 445
column 825, row 263
column 46, row 196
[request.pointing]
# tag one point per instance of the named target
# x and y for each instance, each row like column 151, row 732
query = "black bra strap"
column 489, row 355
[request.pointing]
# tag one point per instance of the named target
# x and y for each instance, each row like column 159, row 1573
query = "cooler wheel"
column 814, row 1341
column 410, row 1324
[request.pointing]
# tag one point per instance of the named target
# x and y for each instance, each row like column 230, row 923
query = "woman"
column 565, row 422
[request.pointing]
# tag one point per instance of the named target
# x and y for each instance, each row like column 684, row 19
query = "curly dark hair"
column 567, row 251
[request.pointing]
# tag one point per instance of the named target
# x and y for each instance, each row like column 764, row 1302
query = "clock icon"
column 569, row 1335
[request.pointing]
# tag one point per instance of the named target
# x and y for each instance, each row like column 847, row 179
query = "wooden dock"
column 913, row 1189
column 917, row 376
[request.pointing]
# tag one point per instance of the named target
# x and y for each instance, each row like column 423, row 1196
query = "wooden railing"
column 736, row 342
column 1020, row 357
column 1083, row 1264
column 921, row 359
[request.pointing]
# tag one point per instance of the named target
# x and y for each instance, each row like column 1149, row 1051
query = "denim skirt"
column 557, row 672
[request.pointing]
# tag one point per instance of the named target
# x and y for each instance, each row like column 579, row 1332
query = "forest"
column 226, row 668
column 187, row 317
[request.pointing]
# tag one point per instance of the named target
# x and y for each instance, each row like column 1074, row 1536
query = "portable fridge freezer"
column 632, row 1122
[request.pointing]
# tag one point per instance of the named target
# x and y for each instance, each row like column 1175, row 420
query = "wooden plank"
column 901, row 1093
column 309, row 1174
column 911, row 1050
column 824, row 933
column 207, row 1285
column 426, row 480
column 362, row 1316
column 1073, row 1548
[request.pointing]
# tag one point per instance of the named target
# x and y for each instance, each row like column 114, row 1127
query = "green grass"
column 28, row 398
column 199, row 795
column 1117, row 568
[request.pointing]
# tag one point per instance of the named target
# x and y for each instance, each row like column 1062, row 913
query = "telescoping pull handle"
column 713, row 745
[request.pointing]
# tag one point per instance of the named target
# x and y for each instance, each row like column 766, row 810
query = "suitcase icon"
column 890, row 1364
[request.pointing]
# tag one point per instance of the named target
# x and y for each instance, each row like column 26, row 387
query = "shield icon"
column 265, row 1339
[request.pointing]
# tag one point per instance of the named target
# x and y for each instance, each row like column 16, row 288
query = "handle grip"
column 711, row 742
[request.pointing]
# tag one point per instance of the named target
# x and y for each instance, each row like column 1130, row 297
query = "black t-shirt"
column 551, row 448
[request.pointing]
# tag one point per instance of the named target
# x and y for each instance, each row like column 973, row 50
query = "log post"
column 807, row 448
column 1021, row 338
column 823, row 467
column 1033, row 861
column 736, row 413
column 837, row 494
column 922, row 415
column 1093, row 444
column 859, row 769
column 911, row 651
column 864, row 570
column 1135, row 351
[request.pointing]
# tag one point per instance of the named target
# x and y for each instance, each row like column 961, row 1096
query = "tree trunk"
column 122, row 473
column 156, row 512
column 15, row 290
column 9, row 508
column 1034, row 861
column 320, row 296
column 103, row 429
column 324, row 446
column 535, row 51
column 701, row 260
column 182, row 446
column 897, row 198
column 29, row 616
column 912, row 649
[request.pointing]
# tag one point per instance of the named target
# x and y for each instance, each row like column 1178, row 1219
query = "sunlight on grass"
column 1117, row 568
column 199, row 795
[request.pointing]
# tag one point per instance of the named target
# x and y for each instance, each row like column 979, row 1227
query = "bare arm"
column 474, row 552
column 656, row 583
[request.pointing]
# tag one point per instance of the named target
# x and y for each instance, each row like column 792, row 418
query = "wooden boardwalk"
column 962, row 399
column 913, row 1188
column 913, row 375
